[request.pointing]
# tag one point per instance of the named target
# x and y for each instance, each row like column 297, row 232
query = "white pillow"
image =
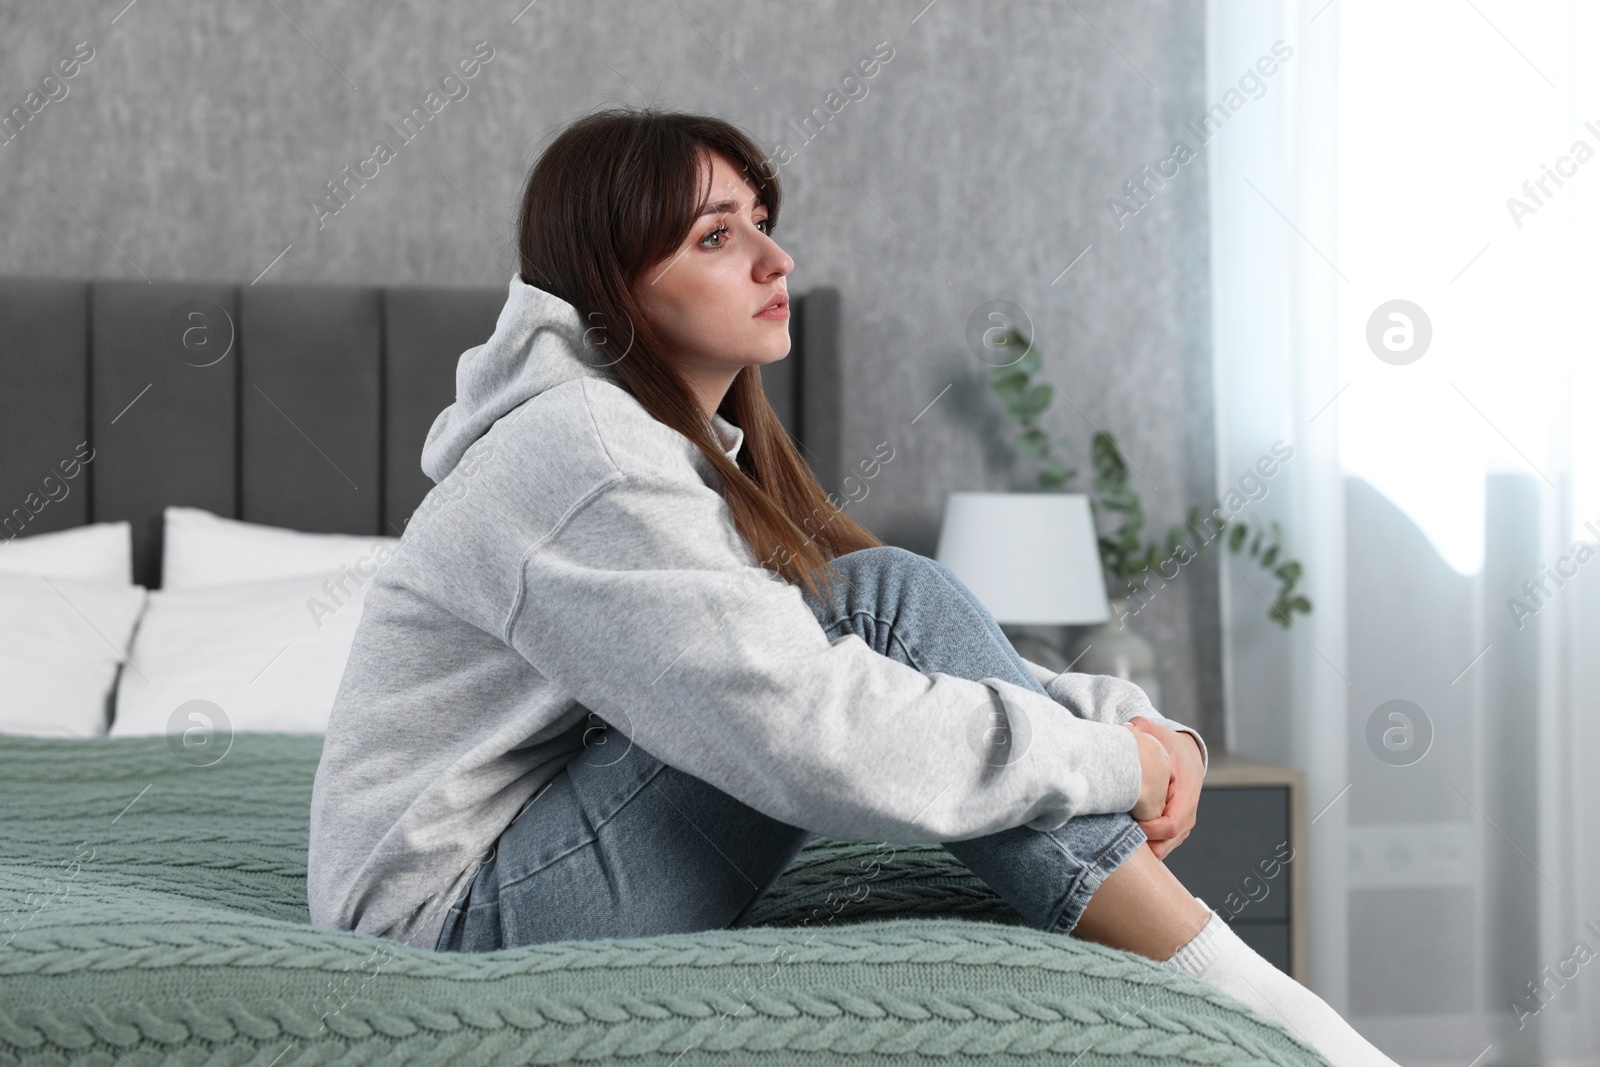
column 60, row 643
column 98, row 552
column 250, row 656
column 202, row 549
column 258, row 656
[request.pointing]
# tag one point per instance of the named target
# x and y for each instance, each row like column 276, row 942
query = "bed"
column 155, row 902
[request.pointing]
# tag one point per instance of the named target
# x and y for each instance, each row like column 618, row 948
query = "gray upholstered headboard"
column 314, row 419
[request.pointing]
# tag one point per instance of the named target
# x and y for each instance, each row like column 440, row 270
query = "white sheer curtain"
column 1445, row 500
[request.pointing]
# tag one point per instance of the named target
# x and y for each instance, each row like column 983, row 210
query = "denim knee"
column 874, row 562
column 881, row 556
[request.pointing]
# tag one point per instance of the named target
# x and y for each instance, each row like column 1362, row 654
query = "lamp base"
column 1112, row 648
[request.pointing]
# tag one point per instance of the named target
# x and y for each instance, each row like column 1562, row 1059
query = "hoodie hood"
column 538, row 343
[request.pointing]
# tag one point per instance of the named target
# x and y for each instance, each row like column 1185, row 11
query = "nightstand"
column 1243, row 857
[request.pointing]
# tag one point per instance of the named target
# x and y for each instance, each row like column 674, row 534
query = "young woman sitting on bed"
column 630, row 656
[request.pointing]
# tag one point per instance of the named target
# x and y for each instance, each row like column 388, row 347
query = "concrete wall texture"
column 976, row 164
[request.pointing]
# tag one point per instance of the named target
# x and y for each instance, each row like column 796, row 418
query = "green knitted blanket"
column 155, row 912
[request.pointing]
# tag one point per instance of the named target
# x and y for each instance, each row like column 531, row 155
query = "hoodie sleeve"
column 1105, row 698
column 648, row 608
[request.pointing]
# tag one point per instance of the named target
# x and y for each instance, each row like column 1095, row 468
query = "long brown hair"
column 616, row 192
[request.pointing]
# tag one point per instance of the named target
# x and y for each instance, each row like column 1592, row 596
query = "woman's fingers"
column 1159, row 828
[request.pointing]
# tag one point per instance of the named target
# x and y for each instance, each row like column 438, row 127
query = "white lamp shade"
column 1031, row 558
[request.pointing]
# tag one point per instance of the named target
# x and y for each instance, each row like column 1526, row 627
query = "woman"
column 629, row 656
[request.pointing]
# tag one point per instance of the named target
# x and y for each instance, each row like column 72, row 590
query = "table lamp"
column 1030, row 558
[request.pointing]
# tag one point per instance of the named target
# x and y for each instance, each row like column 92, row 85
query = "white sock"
column 1218, row 958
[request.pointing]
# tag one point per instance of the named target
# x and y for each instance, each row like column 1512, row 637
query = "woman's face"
column 707, row 298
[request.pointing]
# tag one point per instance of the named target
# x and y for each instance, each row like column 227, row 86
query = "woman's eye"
column 764, row 224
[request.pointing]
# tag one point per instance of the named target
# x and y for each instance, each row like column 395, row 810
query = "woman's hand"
column 1156, row 764
column 1169, row 821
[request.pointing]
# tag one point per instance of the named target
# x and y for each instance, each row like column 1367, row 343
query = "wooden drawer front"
column 1234, row 857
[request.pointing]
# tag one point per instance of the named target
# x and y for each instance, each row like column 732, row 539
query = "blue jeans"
column 620, row 844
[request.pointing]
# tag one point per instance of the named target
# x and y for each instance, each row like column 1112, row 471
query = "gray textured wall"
column 976, row 167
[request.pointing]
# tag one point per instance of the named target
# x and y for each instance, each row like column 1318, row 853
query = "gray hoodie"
column 577, row 563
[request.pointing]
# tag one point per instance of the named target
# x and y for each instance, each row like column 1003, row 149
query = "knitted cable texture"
column 153, row 912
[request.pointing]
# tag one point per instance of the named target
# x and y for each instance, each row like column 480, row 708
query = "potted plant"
column 1128, row 559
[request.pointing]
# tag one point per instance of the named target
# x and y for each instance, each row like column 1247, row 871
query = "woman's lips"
column 780, row 313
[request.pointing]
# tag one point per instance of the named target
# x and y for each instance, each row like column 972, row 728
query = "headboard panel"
column 44, row 404
column 163, row 432
column 309, row 407
column 419, row 324
column 293, row 405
